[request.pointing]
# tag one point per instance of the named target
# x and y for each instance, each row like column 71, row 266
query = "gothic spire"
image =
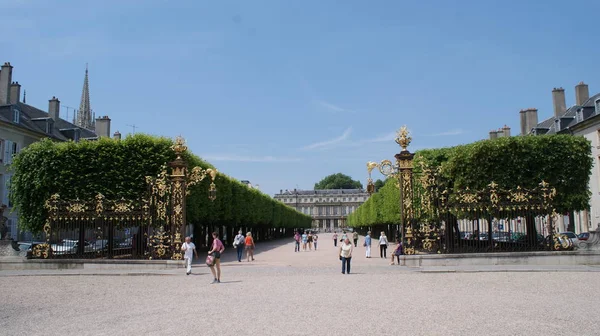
column 84, row 114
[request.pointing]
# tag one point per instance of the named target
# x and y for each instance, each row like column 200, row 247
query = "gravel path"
column 287, row 293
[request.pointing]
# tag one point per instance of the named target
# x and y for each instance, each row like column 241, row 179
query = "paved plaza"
column 288, row 293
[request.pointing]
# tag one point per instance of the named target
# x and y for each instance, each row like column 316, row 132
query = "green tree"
column 117, row 169
column 338, row 181
column 378, row 184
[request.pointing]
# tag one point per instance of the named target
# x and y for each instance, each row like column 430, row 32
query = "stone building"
column 22, row 124
column 329, row 208
column 581, row 119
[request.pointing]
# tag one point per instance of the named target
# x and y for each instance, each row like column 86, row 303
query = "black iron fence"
column 493, row 219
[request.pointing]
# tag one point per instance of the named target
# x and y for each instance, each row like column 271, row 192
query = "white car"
column 69, row 246
column 573, row 237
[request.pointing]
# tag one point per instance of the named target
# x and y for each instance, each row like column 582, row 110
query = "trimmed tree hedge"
column 564, row 161
column 118, row 169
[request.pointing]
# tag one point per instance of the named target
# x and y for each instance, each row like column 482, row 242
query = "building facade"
column 329, row 208
column 22, row 124
column 580, row 119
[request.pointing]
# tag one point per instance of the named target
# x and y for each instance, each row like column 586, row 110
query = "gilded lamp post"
column 402, row 170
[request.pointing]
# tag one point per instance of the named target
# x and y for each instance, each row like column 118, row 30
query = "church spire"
column 84, row 114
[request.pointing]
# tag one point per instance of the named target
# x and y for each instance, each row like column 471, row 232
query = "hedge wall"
column 564, row 161
column 118, row 169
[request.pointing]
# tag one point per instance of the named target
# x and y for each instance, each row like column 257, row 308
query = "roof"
column 35, row 120
column 591, row 102
column 323, row 192
column 569, row 118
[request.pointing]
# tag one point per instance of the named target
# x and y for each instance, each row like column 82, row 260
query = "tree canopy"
column 378, row 184
column 338, row 181
column 563, row 161
column 117, row 169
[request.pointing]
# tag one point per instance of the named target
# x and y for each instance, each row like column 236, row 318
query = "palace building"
column 329, row 208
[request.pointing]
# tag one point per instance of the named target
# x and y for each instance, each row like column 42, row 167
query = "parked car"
column 70, row 246
column 583, row 236
column 573, row 237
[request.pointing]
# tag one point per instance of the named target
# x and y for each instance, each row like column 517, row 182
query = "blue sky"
column 283, row 93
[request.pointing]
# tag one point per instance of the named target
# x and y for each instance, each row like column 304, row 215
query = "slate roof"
column 569, row 118
column 35, row 120
column 323, row 192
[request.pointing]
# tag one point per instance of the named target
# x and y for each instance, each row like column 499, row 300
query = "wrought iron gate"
column 149, row 228
column 434, row 218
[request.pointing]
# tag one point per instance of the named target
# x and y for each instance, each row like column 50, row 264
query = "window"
column 10, row 149
column 16, row 116
column 579, row 115
column 597, row 105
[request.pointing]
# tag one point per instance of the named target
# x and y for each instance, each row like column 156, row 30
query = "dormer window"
column 579, row 115
column 557, row 125
column 597, row 105
column 16, row 116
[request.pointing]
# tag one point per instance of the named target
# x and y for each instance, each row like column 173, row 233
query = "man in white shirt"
column 189, row 250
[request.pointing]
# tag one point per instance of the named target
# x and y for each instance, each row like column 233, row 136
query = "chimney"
column 5, row 81
column 117, row 135
column 558, row 101
column 54, row 108
column 524, row 129
column 582, row 93
column 103, row 126
column 506, row 131
column 532, row 118
column 493, row 135
column 15, row 93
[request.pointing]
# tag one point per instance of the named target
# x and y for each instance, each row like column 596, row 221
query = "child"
column 189, row 250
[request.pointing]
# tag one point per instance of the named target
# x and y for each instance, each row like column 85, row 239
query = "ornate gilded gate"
column 149, row 228
column 435, row 218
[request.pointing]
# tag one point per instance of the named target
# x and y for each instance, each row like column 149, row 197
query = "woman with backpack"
column 238, row 243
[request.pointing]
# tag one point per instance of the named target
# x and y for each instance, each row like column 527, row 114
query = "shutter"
column 7, row 149
column 7, row 187
column 18, row 148
column 4, row 190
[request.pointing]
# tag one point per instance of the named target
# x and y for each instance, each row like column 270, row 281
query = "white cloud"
column 330, row 143
column 447, row 133
column 242, row 158
column 332, row 107
column 383, row 138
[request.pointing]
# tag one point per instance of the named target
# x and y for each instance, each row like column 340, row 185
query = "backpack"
column 238, row 241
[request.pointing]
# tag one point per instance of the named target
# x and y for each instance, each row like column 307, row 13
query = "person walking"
column 238, row 243
column 310, row 240
column 189, row 250
column 304, row 241
column 315, row 238
column 383, row 243
column 355, row 238
column 249, row 243
column 215, row 251
column 344, row 236
column 367, row 245
column 335, row 236
column 397, row 252
column 346, row 249
column 297, row 241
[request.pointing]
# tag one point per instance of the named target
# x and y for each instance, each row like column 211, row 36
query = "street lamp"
column 402, row 170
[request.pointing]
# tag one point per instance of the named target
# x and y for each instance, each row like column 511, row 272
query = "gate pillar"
column 404, row 162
